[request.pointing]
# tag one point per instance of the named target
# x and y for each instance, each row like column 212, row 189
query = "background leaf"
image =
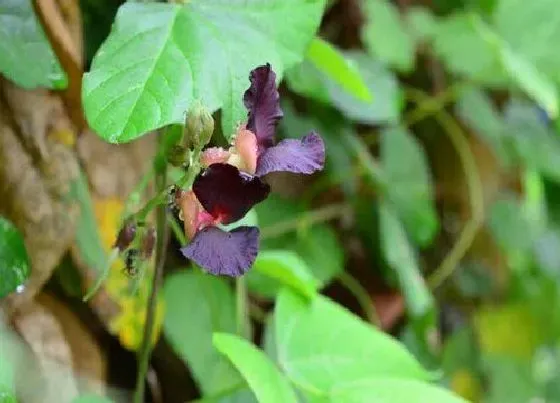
column 14, row 267
column 410, row 190
column 197, row 305
column 88, row 241
column 386, row 36
column 160, row 57
column 266, row 381
column 402, row 259
column 26, row 56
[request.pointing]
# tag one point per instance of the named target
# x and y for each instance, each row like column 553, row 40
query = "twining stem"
column 161, row 243
column 361, row 295
column 474, row 184
column 158, row 201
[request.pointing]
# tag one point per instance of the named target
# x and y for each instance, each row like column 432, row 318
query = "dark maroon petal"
column 227, row 193
column 263, row 102
column 224, row 253
column 303, row 156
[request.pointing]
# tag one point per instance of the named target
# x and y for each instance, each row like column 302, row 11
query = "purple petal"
column 224, row 253
column 303, row 156
column 263, row 102
column 226, row 193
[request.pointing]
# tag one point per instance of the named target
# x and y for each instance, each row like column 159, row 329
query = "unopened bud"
column 148, row 243
column 126, row 236
column 199, row 126
column 177, row 155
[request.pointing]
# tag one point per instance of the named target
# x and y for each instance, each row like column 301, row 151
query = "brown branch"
column 66, row 50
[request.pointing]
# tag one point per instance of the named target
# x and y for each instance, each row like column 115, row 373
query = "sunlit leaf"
column 328, row 60
column 287, row 268
column 391, row 390
column 14, row 261
column 265, row 380
column 26, row 56
column 160, row 57
column 322, row 346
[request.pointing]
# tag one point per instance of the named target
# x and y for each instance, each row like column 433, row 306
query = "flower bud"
column 199, row 126
column 126, row 236
column 177, row 155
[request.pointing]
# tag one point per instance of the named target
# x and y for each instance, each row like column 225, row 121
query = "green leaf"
column 197, row 305
column 88, row 240
column 401, row 257
column 464, row 51
column 387, row 102
column 510, row 228
column 422, row 23
column 14, row 267
column 25, row 53
column 476, row 110
column 317, row 245
column 391, row 390
column 89, row 398
column 534, row 144
column 327, row 59
column 288, row 269
column 500, row 49
column 160, row 57
column 386, row 37
column 410, row 190
column 265, row 380
column 321, row 346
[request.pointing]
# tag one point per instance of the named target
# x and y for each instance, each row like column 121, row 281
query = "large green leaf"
column 26, row 56
column 160, row 57
column 265, row 380
column 391, row 390
column 14, row 262
column 327, row 59
column 321, row 346
column 401, row 257
column 385, row 105
column 386, row 36
column 410, row 186
column 197, row 305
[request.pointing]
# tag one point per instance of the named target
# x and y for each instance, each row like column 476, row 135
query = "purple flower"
column 263, row 102
column 222, row 195
column 230, row 185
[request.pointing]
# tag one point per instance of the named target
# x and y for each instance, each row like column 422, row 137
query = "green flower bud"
column 199, row 126
column 177, row 155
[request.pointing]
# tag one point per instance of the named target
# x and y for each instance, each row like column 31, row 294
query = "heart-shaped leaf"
column 160, row 57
